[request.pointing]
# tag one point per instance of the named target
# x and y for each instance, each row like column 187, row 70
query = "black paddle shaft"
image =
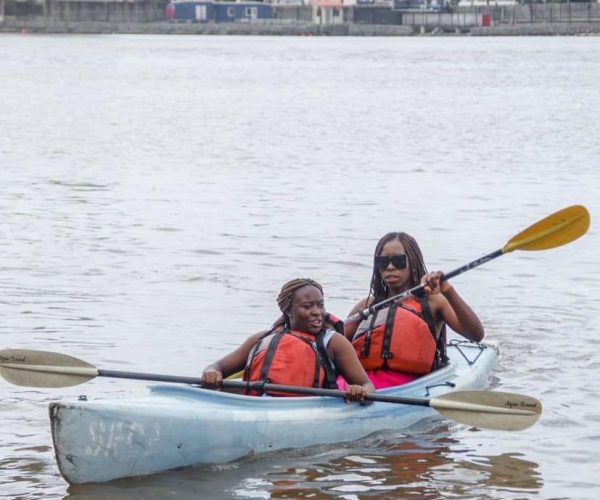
column 260, row 387
column 473, row 264
column 149, row 376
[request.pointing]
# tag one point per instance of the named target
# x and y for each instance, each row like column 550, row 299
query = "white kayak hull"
column 177, row 426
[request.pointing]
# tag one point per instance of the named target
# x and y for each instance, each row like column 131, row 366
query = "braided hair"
column 379, row 290
column 286, row 296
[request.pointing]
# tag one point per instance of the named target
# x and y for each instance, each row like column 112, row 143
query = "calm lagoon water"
column 156, row 191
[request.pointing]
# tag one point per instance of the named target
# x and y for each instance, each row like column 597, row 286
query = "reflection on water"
column 510, row 472
column 427, row 468
column 429, row 463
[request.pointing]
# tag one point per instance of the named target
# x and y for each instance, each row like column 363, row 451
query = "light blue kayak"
column 177, row 426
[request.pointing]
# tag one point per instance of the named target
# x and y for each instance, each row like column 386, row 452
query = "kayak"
column 178, row 426
column 173, row 426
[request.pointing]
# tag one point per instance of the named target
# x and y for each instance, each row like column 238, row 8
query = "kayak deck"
column 177, row 426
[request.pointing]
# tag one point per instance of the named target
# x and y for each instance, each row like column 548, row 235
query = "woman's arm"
column 346, row 361
column 448, row 305
column 213, row 374
column 351, row 327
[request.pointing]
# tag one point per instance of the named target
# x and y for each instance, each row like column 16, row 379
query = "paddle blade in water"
column 489, row 409
column 555, row 230
column 43, row 369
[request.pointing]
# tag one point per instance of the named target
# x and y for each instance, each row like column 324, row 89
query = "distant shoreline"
column 296, row 29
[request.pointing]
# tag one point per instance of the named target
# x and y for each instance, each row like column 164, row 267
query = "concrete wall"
column 257, row 28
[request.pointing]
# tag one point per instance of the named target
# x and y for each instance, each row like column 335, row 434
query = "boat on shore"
column 178, row 426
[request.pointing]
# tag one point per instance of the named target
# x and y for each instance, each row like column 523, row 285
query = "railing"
column 444, row 20
column 550, row 13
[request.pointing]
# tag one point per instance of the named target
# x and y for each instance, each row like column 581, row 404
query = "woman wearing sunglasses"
column 302, row 348
column 407, row 339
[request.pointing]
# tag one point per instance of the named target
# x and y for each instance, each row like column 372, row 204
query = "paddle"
column 485, row 409
column 553, row 231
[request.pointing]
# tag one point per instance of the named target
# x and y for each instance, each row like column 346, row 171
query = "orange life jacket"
column 290, row 357
column 401, row 337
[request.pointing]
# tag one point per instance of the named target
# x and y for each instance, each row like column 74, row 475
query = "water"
column 158, row 190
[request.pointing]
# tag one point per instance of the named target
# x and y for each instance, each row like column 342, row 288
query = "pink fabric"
column 382, row 378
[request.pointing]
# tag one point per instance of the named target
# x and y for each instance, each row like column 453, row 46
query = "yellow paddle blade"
column 555, row 230
column 236, row 375
column 43, row 369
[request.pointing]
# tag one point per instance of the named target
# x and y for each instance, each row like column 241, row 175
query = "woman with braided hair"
column 300, row 349
column 407, row 339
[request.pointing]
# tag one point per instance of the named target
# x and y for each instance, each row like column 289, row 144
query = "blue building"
column 220, row 12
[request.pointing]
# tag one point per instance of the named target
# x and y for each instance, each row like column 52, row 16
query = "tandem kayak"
column 172, row 426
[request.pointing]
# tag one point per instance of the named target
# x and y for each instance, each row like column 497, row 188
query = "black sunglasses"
column 398, row 260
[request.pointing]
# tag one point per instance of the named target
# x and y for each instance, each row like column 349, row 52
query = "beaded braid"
column 379, row 290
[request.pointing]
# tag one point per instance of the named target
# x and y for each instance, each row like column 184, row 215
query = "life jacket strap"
column 368, row 335
column 387, row 335
column 330, row 372
column 440, row 358
column 251, row 356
